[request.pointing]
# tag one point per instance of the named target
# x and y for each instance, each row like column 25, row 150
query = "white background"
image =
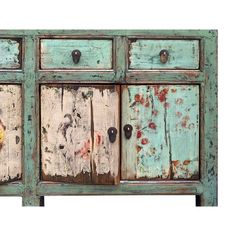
column 129, row 215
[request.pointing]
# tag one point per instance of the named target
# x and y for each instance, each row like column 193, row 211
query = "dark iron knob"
column 164, row 55
column 76, row 54
column 112, row 132
column 128, row 130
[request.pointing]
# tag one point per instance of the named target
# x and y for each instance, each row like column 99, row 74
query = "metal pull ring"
column 76, row 54
column 164, row 56
column 128, row 130
column 112, row 132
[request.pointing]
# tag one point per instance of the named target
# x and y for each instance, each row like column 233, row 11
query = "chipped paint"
column 95, row 54
column 9, row 54
column 183, row 54
column 160, row 132
column 76, row 133
column 10, row 133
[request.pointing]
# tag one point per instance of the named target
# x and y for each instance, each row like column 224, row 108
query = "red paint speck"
column 186, row 162
column 166, row 104
column 137, row 98
column 154, row 112
column 175, row 163
column 178, row 113
column 139, row 134
column 185, row 121
column 144, row 141
column 161, row 94
column 152, row 125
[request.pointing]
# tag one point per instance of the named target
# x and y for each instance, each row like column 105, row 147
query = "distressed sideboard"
column 108, row 112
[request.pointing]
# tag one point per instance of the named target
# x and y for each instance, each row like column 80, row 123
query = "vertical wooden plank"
column 209, row 161
column 74, row 140
column 164, row 120
column 10, row 133
column 105, row 154
column 31, row 157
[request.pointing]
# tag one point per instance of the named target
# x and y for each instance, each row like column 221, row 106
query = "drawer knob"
column 164, row 55
column 128, row 130
column 112, row 132
column 76, row 54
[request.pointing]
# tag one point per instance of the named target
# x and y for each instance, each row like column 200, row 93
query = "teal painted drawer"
column 150, row 54
column 10, row 53
column 87, row 54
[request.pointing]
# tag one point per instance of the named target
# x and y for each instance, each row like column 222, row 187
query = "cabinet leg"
column 33, row 201
column 204, row 200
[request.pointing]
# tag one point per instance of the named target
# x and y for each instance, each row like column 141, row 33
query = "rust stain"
column 98, row 139
column 173, row 90
column 186, row 162
column 152, row 125
column 185, row 121
column 144, row 141
column 179, row 101
column 139, row 134
column 147, row 104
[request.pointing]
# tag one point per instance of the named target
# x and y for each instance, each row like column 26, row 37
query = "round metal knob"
column 164, row 56
column 76, row 54
column 112, row 132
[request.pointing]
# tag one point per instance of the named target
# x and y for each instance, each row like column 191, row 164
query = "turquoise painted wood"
column 165, row 139
column 201, row 77
column 144, row 54
column 95, row 54
column 10, row 54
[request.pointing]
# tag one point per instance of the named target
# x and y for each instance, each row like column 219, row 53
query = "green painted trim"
column 12, row 189
column 127, row 188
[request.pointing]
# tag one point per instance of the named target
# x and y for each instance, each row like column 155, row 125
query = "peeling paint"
column 155, row 151
column 77, row 134
column 10, row 133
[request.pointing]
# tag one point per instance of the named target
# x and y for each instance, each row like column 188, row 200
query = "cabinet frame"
column 32, row 190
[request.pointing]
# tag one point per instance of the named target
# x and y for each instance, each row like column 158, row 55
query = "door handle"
column 112, row 132
column 128, row 130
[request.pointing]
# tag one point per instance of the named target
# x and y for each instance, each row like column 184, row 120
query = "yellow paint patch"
column 2, row 135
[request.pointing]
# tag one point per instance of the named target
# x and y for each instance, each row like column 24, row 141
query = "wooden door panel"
column 10, row 133
column 165, row 137
column 75, row 146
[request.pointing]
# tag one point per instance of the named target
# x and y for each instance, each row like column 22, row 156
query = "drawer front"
column 91, row 54
column 10, row 133
column 163, row 54
column 75, row 133
column 10, row 54
column 164, row 143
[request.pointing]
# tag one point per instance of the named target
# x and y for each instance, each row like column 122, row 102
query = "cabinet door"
column 164, row 121
column 10, row 133
column 80, row 133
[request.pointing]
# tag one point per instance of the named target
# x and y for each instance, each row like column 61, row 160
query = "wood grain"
column 74, row 142
column 10, row 133
column 95, row 54
column 165, row 139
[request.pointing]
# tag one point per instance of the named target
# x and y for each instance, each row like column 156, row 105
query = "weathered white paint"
column 10, row 132
column 74, row 124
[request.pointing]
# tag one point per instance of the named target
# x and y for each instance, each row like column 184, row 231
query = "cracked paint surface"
column 165, row 139
column 74, row 142
column 10, row 133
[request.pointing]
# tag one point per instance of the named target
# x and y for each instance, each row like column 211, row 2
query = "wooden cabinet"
column 108, row 112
